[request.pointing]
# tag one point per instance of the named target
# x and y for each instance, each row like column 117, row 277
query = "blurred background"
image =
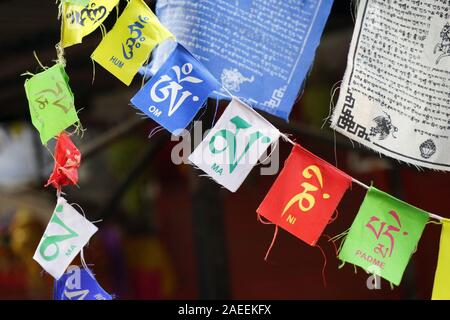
column 167, row 233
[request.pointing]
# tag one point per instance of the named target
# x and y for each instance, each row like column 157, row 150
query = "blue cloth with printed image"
column 260, row 51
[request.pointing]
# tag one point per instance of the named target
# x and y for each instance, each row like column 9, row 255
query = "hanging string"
column 286, row 138
column 259, row 218
column 103, row 30
column 332, row 242
column 60, row 54
column 324, row 265
column 272, row 243
column 342, row 235
column 84, row 264
column 93, row 71
column 27, row 73
column 334, row 89
column 360, row 183
column 215, row 112
column 352, row 14
column 60, row 8
column 334, row 217
column 145, row 71
column 154, row 131
column 80, row 130
column 436, row 222
column 435, row 216
column 331, row 106
column 272, row 150
column 335, row 149
column 39, row 61
column 58, row 193
column 231, row 95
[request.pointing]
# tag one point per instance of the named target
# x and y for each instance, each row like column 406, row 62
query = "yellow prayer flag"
column 128, row 45
column 78, row 21
column 441, row 287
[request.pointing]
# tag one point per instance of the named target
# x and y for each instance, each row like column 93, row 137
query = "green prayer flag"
column 51, row 102
column 384, row 235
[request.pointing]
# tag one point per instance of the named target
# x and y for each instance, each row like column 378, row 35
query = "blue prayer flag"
column 173, row 96
column 79, row 284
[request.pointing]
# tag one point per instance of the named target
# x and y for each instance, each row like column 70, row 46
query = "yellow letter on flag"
column 128, row 45
column 79, row 21
column 441, row 287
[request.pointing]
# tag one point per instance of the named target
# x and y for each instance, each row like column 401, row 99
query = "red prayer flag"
column 304, row 195
column 67, row 162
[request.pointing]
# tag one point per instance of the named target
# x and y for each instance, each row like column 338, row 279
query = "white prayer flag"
column 234, row 145
column 65, row 236
column 394, row 97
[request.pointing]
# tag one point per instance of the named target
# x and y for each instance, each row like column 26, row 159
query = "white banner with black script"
column 395, row 95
